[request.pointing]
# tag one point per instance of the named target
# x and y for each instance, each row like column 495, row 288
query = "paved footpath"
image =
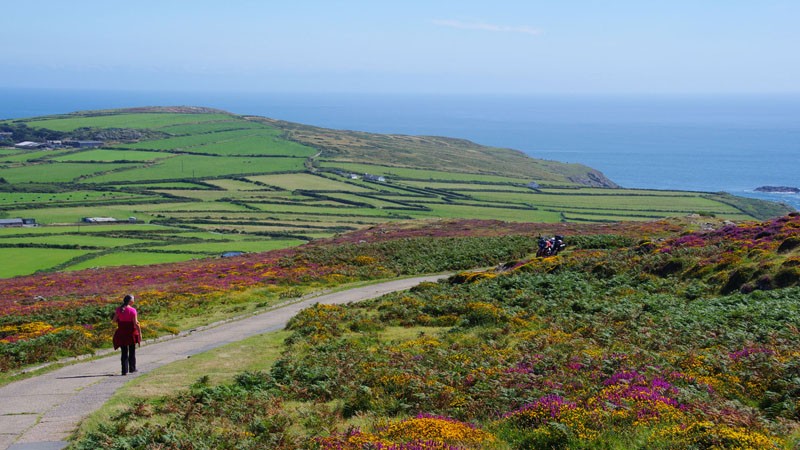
column 40, row 413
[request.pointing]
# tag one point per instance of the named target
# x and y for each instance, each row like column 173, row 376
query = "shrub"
column 787, row 276
column 789, row 244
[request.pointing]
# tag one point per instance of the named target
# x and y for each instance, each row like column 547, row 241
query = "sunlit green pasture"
column 665, row 204
column 9, row 199
column 210, row 127
column 414, row 201
column 172, row 185
column 76, row 213
column 30, row 155
column 236, row 185
column 211, row 248
column 321, row 218
column 306, row 181
column 375, row 202
column 56, row 172
column 253, row 217
column 262, row 143
column 389, row 187
column 82, row 239
column 108, row 155
column 131, row 258
column 627, row 192
column 416, row 174
column 191, row 141
column 135, row 120
column 336, row 210
column 286, row 222
column 29, row 260
column 311, row 233
column 277, row 203
column 200, row 207
column 89, row 228
column 197, row 166
column 456, row 186
column 511, row 215
column 206, row 195
column 281, row 196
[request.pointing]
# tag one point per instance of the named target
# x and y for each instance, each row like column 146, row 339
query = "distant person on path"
column 128, row 333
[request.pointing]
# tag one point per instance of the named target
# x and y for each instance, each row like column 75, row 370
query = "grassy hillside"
column 207, row 182
column 439, row 154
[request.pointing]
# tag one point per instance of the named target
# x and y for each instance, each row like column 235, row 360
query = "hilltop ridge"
column 436, row 152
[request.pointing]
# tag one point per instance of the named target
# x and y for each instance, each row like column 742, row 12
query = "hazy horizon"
column 446, row 47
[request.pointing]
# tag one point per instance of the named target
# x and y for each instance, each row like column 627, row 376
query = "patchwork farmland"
column 187, row 183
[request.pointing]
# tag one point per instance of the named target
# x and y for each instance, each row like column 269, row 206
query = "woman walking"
column 128, row 333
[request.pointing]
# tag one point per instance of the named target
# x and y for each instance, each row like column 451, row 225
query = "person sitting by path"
column 128, row 333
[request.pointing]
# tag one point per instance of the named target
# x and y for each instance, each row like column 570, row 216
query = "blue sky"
column 518, row 47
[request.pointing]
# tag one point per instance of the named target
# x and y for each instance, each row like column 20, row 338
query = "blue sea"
column 702, row 143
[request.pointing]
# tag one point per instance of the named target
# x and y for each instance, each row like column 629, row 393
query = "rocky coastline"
column 779, row 189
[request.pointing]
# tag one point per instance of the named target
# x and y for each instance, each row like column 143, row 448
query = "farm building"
column 30, row 145
column 13, row 223
column 370, row 177
column 84, row 144
column 99, row 220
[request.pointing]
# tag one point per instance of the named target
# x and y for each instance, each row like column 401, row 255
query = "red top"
column 126, row 314
column 127, row 331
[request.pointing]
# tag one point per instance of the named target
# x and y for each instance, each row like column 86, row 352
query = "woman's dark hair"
column 127, row 300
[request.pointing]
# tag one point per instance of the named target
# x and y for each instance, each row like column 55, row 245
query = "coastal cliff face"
column 594, row 178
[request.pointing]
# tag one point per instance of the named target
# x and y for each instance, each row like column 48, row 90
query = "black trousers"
column 128, row 358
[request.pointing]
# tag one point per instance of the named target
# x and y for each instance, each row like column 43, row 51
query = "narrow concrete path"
column 40, row 413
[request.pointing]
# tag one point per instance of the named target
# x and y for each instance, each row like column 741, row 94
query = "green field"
column 10, row 199
column 669, row 203
column 510, row 215
column 29, row 260
column 191, row 141
column 68, row 229
column 110, row 155
column 307, row 182
column 201, row 173
column 71, row 215
column 198, row 167
column 213, row 248
column 237, row 185
column 57, row 172
column 138, row 120
column 33, row 155
column 82, row 239
column 210, row 127
column 263, row 143
column 132, row 259
column 456, row 186
column 191, row 206
column 417, row 174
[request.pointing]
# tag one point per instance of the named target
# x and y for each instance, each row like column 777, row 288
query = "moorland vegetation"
column 670, row 321
column 652, row 336
column 667, row 334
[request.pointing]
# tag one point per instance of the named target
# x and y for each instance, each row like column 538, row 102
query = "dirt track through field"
column 40, row 413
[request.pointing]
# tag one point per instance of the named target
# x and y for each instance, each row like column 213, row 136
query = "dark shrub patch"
column 737, row 279
column 787, row 277
column 789, row 244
